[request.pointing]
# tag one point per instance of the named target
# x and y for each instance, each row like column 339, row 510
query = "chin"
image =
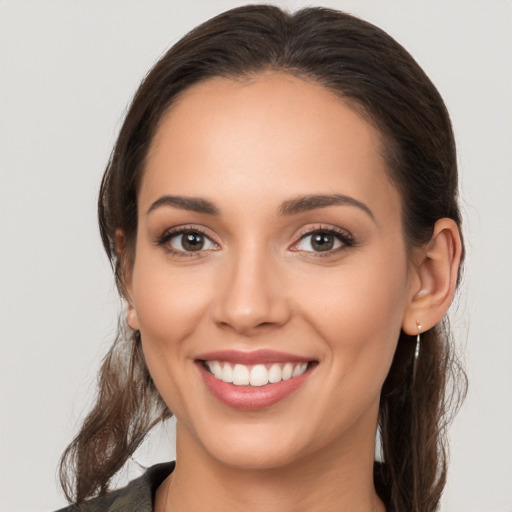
column 255, row 455
column 263, row 443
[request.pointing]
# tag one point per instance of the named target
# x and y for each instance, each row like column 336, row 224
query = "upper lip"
column 252, row 357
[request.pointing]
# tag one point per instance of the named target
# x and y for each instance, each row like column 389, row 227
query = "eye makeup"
column 193, row 241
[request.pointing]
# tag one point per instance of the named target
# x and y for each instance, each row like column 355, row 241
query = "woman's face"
column 269, row 243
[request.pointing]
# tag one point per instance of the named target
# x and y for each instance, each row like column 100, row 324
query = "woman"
column 280, row 209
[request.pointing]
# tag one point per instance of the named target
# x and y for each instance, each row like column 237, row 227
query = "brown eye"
column 322, row 242
column 190, row 241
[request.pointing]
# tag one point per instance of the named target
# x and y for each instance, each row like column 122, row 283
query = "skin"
column 248, row 146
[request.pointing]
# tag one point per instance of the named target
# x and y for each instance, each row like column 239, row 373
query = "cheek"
column 169, row 306
column 168, row 303
column 358, row 316
column 358, row 310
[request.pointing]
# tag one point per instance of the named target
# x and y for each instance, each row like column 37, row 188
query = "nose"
column 252, row 296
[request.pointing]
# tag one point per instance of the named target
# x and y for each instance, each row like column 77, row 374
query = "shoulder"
column 137, row 496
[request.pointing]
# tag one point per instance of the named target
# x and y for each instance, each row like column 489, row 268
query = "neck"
column 338, row 480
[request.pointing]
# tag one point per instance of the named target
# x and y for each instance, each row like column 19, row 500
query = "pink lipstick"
column 253, row 380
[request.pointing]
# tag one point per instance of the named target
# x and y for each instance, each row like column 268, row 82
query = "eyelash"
column 164, row 240
column 341, row 235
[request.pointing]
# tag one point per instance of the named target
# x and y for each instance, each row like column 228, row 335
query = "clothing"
column 137, row 496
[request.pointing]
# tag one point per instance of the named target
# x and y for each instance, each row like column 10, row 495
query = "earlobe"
column 125, row 276
column 131, row 318
column 436, row 271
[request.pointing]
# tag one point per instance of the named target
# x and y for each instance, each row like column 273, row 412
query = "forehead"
column 268, row 136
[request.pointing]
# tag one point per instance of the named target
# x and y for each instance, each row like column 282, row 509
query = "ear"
column 125, row 275
column 434, row 278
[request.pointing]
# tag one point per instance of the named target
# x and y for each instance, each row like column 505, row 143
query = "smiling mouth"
column 253, row 380
column 256, row 375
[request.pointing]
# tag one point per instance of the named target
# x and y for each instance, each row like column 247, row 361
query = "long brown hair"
column 377, row 77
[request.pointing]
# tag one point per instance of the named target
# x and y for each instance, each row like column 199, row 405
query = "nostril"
column 248, row 301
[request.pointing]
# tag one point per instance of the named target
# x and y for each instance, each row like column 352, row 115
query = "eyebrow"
column 193, row 204
column 312, row 202
column 290, row 207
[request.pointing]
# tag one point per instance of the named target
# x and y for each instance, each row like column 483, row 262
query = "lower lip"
column 251, row 397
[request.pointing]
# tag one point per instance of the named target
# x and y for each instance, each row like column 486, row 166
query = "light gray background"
column 67, row 71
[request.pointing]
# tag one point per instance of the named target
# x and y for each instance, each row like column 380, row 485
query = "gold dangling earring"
column 416, row 351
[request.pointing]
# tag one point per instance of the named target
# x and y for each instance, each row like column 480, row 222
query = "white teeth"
column 274, row 374
column 216, row 369
column 287, row 371
column 227, row 373
column 299, row 369
column 241, row 375
column 257, row 375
